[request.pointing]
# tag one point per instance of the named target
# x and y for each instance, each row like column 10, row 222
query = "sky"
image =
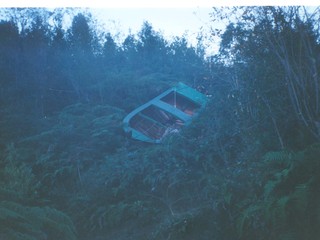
column 169, row 17
column 170, row 22
column 151, row 3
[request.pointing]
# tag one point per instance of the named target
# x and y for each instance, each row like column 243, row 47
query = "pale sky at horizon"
column 170, row 17
column 152, row 3
column 169, row 22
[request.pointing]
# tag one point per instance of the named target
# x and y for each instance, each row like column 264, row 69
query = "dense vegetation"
column 246, row 168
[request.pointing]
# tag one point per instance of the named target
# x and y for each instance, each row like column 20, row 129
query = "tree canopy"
column 245, row 168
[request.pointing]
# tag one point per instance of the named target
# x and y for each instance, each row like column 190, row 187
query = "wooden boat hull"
column 165, row 114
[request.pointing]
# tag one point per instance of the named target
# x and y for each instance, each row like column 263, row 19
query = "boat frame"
column 164, row 114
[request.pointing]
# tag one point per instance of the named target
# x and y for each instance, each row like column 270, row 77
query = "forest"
column 246, row 168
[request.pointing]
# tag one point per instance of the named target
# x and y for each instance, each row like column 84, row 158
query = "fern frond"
column 269, row 188
column 279, row 177
column 243, row 219
column 278, row 156
column 300, row 199
column 288, row 235
column 281, row 211
column 21, row 222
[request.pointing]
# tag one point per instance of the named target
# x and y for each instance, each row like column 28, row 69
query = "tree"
column 9, row 43
column 110, row 52
column 152, row 49
column 35, row 45
column 296, row 44
column 80, row 40
column 250, row 46
column 185, row 62
column 129, row 52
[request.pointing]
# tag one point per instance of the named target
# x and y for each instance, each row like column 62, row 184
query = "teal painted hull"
column 165, row 114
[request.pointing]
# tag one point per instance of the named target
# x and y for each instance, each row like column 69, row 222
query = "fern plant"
column 18, row 222
column 290, row 200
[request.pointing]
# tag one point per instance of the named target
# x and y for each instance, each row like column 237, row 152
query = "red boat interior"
column 155, row 123
column 182, row 103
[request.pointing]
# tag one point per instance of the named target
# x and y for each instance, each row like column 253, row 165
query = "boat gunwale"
column 159, row 103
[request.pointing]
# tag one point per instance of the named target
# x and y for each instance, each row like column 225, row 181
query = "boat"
column 165, row 114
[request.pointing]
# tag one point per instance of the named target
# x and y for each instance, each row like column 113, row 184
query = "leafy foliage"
column 288, row 204
column 245, row 168
column 21, row 222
